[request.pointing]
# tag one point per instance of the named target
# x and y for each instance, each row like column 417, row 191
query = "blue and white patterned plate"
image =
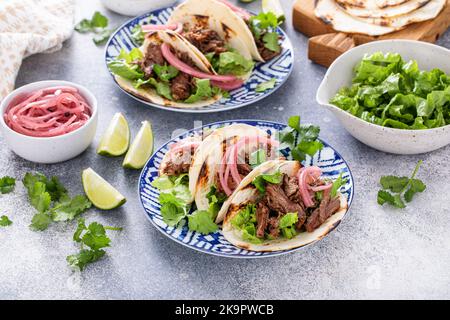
column 278, row 68
column 328, row 159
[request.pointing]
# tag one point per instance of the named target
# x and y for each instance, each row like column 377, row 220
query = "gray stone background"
column 378, row 252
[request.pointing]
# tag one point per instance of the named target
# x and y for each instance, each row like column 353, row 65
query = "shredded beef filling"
column 179, row 163
column 283, row 198
column 182, row 85
column 206, row 40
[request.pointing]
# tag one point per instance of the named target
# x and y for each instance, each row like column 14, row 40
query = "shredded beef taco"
column 223, row 159
column 281, row 205
column 168, row 70
column 223, row 22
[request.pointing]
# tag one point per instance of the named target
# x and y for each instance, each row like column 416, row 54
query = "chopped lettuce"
column 337, row 185
column 174, row 198
column 287, row 225
column 203, row 90
column 165, row 72
column 390, row 92
column 232, row 62
column 245, row 221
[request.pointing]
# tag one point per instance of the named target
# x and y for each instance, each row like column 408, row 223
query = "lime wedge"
column 116, row 139
column 141, row 148
column 274, row 6
column 103, row 195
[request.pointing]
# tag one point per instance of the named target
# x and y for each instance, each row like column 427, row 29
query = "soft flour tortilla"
column 246, row 194
column 368, row 3
column 330, row 12
column 208, row 156
column 371, row 9
column 181, row 45
column 221, row 19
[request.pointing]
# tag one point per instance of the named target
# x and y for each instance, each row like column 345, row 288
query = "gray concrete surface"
column 378, row 252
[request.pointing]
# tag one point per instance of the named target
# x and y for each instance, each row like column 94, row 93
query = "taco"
column 281, row 205
column 249, row 35
column 169, row 71
column 224, row 158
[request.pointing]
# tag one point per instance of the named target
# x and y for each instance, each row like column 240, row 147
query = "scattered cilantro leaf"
column 97, row 24
column 102, row 36
column 4, row 221
column 266, row 85
column 93, row 236
column 7, row 184
column 40, row 221
column 71, row 208
column 137, row 34
column 399, row 186
column 84, row 257
column 202, row 221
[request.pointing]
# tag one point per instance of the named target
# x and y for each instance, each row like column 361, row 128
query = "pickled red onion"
column 240, row 11
column 321, row 188
column 48, row 112
column 180, row 65
column 228, row 86
column 229, row 160
column 303, row 175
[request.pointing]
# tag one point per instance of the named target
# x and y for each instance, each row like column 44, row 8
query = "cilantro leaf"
column 302, row 140
column 7, row 184
column 39, row 197
column 94, row 236
column 98, row 20
column 102, row 36
column 386, row 197
column 260, row 181
column 202, row 221
column 393, row 183
column 398, row 186
column 270, row 40
column 83, row 26
column 40, row 221
column 337, row 184
column 165, row 72
column 84, row 257
column 4, row 221
column 416, row 186
column 71, row 208
column 266, row 85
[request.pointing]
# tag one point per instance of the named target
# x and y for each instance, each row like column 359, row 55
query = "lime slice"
column 274, row 6
column 141, row 148
column 100, row 192
column 116, row 139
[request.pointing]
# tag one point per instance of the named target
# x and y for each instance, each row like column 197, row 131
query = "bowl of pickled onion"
column 49, row 121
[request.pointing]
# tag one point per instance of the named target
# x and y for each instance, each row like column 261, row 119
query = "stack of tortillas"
column 376, row 17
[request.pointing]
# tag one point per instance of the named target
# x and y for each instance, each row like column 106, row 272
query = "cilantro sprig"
column 7, row 184
column 94, row 238
column 306, row 142
column 52, row 201
column 98, row 25
column 4, row 221
column 397, row 190
column 263, row 27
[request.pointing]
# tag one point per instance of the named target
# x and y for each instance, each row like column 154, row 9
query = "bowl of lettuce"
column 393, row 95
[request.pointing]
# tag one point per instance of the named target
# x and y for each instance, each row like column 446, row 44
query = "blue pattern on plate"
column 328, row 159
column 278, row 68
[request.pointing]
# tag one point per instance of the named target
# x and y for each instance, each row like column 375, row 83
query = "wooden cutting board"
column 325, row 44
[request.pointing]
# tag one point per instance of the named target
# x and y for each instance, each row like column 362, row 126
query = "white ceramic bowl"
column 52, row 149
column 390, row 140
column 135, row 7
